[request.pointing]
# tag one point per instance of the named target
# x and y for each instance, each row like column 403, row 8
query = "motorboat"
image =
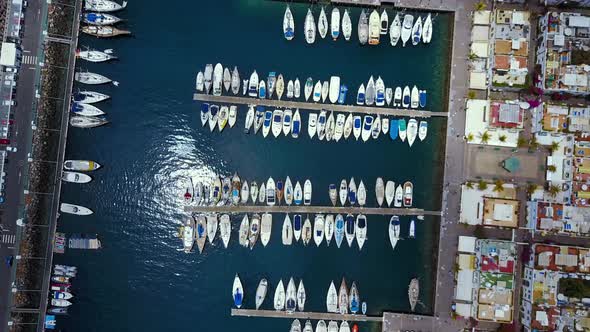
column 259, row 118
column 307, row 192
column 279, row 298
column 94, row 18
column 280, row 190
column 323, row 24
column 367, row 127
column 60, row 303
column 288, row 191
column 213, row 116
column 254, row 191
column 339, row 230
column 417, row 31
column 339, row 126
column 287, row 121
column 208, row 77
column 270, row 192
column 287, row 231
column 102, row 31
column 249, row 119
column 298, row 194
column 330, row 123
column 348, row 126
column 81, row 165
column 393, row 128
column 370, row 92
column 87, row 122
column 332, row 326
column 306, row 232
column 389, row 192
column 244, row 232
column 318, row 229
column 94, row 56
column 415, row 97
column 422, row 98
column 376, row 128
column 379, row 92
column 277, row 122
column 244, row 193
column 204, row 113
column 334, row 89
column 75, row 209
column 349, row 229
column 335, row 23
column 329, row 228
column 357, row 126
column 297, row 88
column 352, row 192
column 346, row 25
column 361, row 194
column 343, row 192
column 343, row 298
column 301, row 296
column 237, row 292
column 235, row 81
column 295, row 326
column 233, row 115
column 103, row 6
column 226, row 79
column 267, row 123
column 406, row 33
column 89, row 97
column 397, row 97
column 363, row 28
column 413, row 293
column 401, row 125
column 385, row 126
column 253, row 85
column 308, row 326
column 342, row 94
column 271, row 82
column 312, row 124
column 201, row 232
column 296, row 126
column 75, row 177
column 374, row 28
column 360, row 96
column 254, row 231
column 394, row 231
column 222, row 118
column 333, row 193
column 399, row 196
column 291, row 297
column 406, row 101
column 265, row 228
column 354, row 299
column 388, row 96
column 361, row 230
column 321, row 126
column 297, row 227
column 325, row 91
column 408, row 193
column 412, row 131
column 317, row 92
column 91, row 78
column 422, row 130
column 384, row 22
column 427, row 30
column 395, row 30
column 57, row 311
column 332, row 299
column 199, row 81
column 310, row 28
column 261, row 89
column 261, row 291
column 188, row 235
column 379, row 191
column 412, row 230
column 308, row 88
column 290, row 88
column 212, row 224
column 225, row 229
column 288, row 24
column 218, row 80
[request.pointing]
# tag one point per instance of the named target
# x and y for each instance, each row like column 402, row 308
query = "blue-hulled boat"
column 339, row 231
column 100, row 19
column 237, row 292
column 422, row 98
column 297, row 226
column 393, row 128
column 342, row 95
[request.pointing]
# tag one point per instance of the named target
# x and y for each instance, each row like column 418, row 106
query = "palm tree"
column 485, row 137
column 551, row 168
column 530, row 188
column 554, row 190
column 553, row 147
column 502, row 138
column 480, row 6
column 521, row 142
column 471, row 94
column 482, row 185
column 499, row 186
column 469, row 184
column 469, row 137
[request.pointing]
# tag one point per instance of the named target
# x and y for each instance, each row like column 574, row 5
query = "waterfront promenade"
column 311, row 209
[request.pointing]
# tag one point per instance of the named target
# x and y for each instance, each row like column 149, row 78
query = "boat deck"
column 311, row 209
column 387, row 111
column 305, row 315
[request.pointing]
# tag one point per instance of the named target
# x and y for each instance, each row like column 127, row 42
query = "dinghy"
column 288, row 24
column 335, row 23
column 261, row 292
column 395, row 30
column 389, row 192
column 374, row 28
column 407, row 26
column 310, row 28
column 318, row 229
column 287, row 232
column 363, row 28
column 346, row 25
column 323, row 24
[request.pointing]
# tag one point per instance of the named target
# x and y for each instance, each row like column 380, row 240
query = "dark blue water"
column 139, row 281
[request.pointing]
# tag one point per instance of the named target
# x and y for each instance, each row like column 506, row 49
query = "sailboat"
column 361, row 230
column 288, row 24
column 412, row 131
column 201, row 233
column 323, row 24
column 427, row 30
column 103, row 6
column 343, row 298
column 279, row 298
column 235, row 81
column 363, row 28
column 297, row 89
column 89, row 97
column 261, row 292
column 339, row 230
column 395, row 30
column 354, row 299
column 265, row 228
column 291, row 297
column 310, row 28
column 225, row 229
column 417, row 31
column 394, row 231
column 301, row 296
column 211, row 227
column 401, row 124
column 349, row 229
column 332, row 299
column 329, row 228
column 413, row 293
column 379, row 191
column 370, row 92
column 346, row 25
column 237, row 292
column 318, row 229
column 287, row 232
column 389, row 192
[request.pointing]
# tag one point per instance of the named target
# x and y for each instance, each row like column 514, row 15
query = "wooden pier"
column 305, row 315
column 299, row 209
column 387, row 111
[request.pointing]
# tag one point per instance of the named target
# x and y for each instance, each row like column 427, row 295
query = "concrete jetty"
column 387, row 111
column 311, row 209
column 305, row 315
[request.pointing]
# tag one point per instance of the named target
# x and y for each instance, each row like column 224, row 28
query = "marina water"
column 139, row 281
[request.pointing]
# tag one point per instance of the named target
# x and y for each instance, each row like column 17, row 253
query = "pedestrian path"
column 8, row 239
column 29, row 60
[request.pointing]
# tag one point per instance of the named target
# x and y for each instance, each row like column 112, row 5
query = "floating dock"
column 327, row 316
column 386, row 111
column 311, row 209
